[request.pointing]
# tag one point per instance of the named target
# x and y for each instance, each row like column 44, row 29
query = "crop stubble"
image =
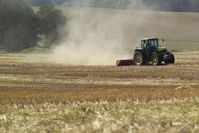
column 20, row 79
column 41, row 96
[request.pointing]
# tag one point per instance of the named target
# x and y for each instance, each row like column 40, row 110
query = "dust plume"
column 95, row 38
column 100, row 36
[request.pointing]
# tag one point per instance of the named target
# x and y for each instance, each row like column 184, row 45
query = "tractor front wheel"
column 155, row 59
column 171, row 59
column 138, row 58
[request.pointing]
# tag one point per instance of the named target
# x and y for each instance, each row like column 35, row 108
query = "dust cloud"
column 96, row 38
column 101, row 36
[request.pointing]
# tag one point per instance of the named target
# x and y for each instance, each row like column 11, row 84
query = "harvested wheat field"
column 46, row 97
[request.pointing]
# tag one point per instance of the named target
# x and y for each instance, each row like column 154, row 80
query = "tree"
column 50, row 20
column 16, row 28
column 21, row 27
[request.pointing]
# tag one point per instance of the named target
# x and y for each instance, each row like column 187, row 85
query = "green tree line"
column 159, row 5
column 21, row 27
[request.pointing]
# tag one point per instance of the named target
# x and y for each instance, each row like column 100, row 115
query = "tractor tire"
column 156, row 59
column 172, row 60
column 139, row 58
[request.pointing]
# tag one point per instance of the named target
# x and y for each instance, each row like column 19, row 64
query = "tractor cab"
column 150, row 42
column 152, row 45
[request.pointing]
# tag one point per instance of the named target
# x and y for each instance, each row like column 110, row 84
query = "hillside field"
column 124, row 28
column 42, row 96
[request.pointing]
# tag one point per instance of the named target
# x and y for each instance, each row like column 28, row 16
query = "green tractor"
column 152, row 53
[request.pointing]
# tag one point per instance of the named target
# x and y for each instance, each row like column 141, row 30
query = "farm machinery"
column 149, row 53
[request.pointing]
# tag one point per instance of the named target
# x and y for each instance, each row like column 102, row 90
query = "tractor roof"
column 150, row 38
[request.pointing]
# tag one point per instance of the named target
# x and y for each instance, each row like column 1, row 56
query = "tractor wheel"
column 172, row 60
column 155, row 59
column 138, row 58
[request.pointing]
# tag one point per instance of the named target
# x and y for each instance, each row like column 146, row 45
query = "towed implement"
column 149, row 53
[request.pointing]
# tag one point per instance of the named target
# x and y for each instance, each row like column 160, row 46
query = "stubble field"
column 46, row 97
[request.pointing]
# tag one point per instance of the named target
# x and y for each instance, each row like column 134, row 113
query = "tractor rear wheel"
column 155, row 59
column 138, row 58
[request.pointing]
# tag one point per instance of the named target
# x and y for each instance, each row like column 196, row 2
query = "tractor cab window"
column 143, row 43
column 154, row 43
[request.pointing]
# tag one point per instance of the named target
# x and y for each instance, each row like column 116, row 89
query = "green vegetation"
column 21, row 27
column 181, row 46
column 160, row 5
column 35, row 50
